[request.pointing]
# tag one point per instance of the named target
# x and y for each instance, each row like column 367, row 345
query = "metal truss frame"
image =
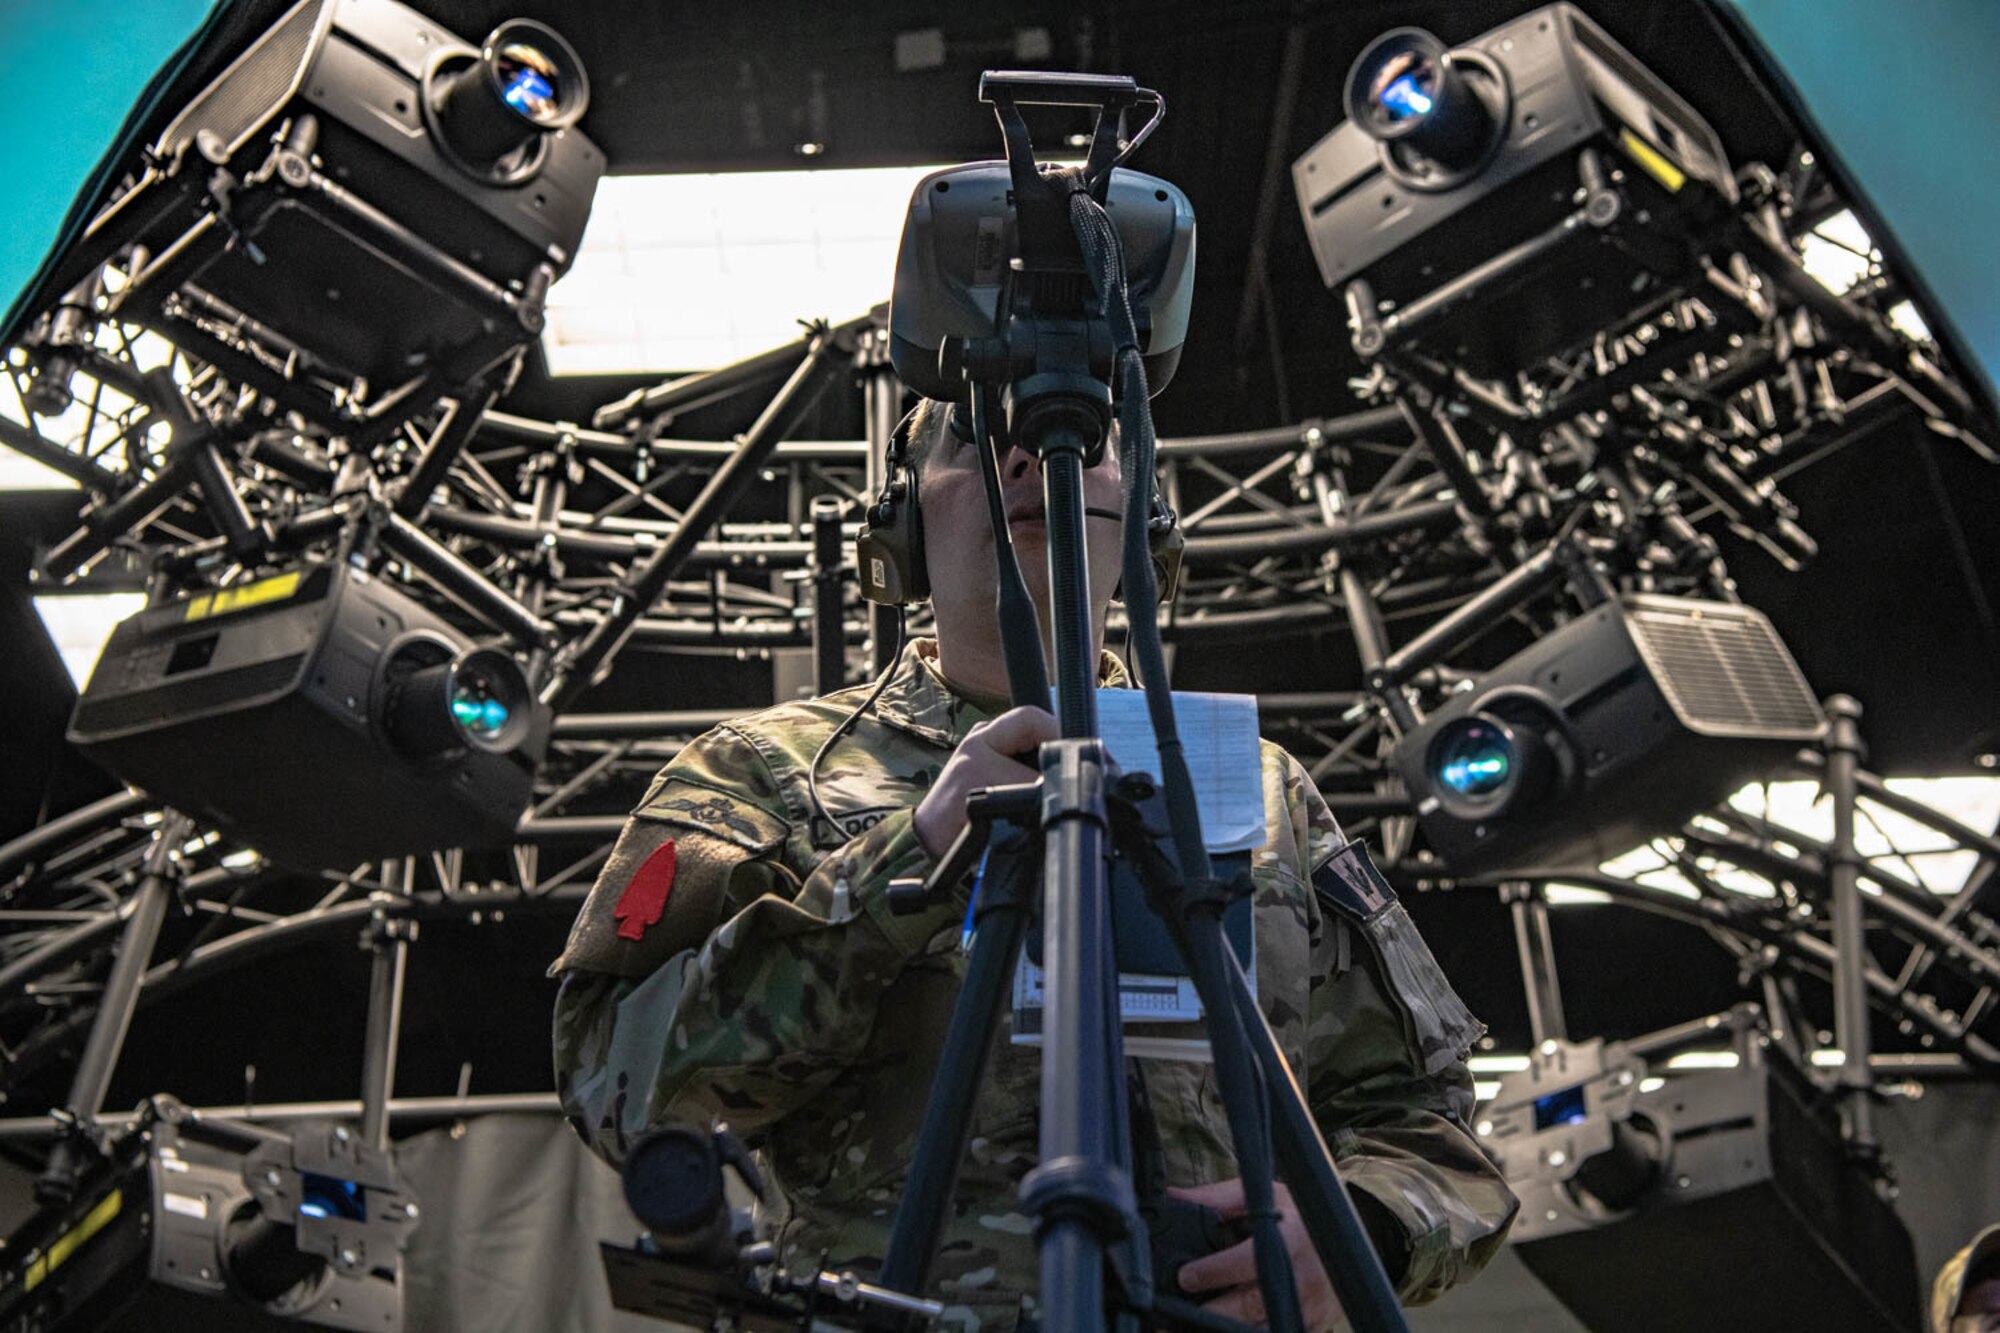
column 587, row 545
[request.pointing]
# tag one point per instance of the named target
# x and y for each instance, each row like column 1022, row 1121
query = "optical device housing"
column 361, row 201
column 954, row 275
column 1605, row 733
column 322, row 716
column 1450, row 159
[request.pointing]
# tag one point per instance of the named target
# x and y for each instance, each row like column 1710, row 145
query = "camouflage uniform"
column 780, row 994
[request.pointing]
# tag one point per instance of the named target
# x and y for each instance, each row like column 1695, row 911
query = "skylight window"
column 81, row 624
column 680, row 273
column 1898, row 845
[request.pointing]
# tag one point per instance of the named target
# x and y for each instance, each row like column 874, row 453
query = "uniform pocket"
column 1442, row 1030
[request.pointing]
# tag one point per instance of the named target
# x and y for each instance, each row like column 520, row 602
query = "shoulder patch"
column 1350, row 881
column 662, row 890
column 691, row 804
column 645, row 896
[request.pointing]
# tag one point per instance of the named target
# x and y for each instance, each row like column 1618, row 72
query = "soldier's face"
column 958, row 538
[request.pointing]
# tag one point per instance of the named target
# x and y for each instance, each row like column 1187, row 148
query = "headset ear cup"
column 889, row 551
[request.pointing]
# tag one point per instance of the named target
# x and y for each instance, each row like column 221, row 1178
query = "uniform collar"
column 921, row 701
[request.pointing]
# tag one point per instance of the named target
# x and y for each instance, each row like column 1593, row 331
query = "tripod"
column 1065, row 333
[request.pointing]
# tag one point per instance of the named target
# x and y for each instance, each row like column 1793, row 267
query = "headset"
column 890, row 548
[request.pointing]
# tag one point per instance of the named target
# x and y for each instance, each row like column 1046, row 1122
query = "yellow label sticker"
column 1649, row 157
column 274, row 589
column 67, row 1244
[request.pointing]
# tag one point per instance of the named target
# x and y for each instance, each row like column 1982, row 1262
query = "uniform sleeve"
column 1386, row 1073
column 752, row 1018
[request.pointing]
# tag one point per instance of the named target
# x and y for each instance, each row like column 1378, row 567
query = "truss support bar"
column 1538, row 961
column 829, row 629
column 593, row 654
column 1850, row 940
column 390, row 942
column 115, row 1006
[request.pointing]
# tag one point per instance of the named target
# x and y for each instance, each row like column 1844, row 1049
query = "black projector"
column 1720, row 1200
column 321, row 716
column 1449, row 158
column 361, row 206
column 1608, row 732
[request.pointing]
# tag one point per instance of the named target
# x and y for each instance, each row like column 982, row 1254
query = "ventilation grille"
column 254, row 86
column 1724, row 670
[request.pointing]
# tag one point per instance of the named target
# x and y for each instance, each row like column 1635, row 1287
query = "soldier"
column 737, row 960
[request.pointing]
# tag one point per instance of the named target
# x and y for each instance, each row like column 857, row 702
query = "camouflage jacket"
column 777, row 991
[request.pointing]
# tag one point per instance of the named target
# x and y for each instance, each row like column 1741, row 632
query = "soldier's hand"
column 1234, row 1270
column 991, row 755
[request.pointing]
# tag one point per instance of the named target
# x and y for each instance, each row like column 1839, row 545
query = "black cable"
column 1146, row 130
column 1244, row 1093
column 847, row 723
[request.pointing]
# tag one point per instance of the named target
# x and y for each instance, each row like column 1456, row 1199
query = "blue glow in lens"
column 1476, row 773
column 1477, row 761
column 494, row 715
column 1403, row 98
column 529, row 93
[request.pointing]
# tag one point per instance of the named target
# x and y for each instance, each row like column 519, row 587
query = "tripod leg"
column 1198, row 936
column 1212, row 964
column 1305, row 1163
column 1080, row 1193
column 975, row 1022
column 1133, row 1256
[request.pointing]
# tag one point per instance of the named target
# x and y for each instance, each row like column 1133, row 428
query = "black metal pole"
column 1518, row 585
column 1538, row 965
column 1433, row 431
column 829, row 628
column 1081, row 1198
column 51, row 836
column 49, row 454
column 389, row 940
column 106, row 522
column 115, row 1006
column 691, row 391
column 1070, row 609
column 1850, row 936
column 462, row 583
column 461, row 419
column 1371, row 643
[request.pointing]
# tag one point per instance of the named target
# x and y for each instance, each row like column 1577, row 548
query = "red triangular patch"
column 645, row 898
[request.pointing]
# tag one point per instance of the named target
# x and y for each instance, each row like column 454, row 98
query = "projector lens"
column 1495, row 763
column 476, row 707
column 1405, row 87
column 1407, row 91
column 493, row 110
column 1477, row 760
column 529, row 82
column 440, row 703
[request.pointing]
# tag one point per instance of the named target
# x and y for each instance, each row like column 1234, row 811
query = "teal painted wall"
column 73, row 69
column 1908, row 95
